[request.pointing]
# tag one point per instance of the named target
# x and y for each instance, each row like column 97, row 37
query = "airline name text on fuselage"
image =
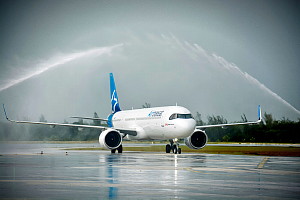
column 155, row 114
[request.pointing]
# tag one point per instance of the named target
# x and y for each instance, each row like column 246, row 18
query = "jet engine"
column 197, row 140
column 110, row 139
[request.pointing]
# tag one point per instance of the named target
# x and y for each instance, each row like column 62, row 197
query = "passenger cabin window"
column 180, row 116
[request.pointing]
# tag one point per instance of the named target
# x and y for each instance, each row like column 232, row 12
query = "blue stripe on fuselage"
column 109, row 120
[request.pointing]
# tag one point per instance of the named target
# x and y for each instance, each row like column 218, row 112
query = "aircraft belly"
column 161, row 133
column 153, row 132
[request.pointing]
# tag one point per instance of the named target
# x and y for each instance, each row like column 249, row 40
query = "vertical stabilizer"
column 259, row 113
column 115, row 106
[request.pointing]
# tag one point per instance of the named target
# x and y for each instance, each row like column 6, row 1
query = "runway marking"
column 191, row 170
column 262, row 163
column 202, row 172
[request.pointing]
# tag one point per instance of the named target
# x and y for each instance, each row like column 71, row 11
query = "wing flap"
column 90, row 118
column 127, row 131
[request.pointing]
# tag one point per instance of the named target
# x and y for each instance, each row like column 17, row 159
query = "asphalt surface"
column 55, row 174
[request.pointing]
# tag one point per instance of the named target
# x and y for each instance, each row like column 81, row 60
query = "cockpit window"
column 180, row 116
column 184, row 116
column 173, row 116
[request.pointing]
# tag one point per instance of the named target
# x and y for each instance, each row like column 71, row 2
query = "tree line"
column 24, row 132
column 270, row 130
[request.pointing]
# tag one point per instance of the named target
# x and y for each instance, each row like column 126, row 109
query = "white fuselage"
column 155, row 123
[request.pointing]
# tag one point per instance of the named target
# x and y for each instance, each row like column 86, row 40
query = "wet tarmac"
column 55, row 174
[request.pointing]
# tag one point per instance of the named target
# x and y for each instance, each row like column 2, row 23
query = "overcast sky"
column 214, row 57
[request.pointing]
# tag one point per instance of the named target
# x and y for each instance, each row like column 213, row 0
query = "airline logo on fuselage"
column 155, row 114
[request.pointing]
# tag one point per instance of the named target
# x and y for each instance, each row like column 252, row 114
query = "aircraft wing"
column 57, row 124
column 90, row 118
column 132, row 132
column 233, row 124
column 124, row 131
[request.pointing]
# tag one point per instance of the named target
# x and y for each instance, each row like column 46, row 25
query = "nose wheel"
column 173, row 146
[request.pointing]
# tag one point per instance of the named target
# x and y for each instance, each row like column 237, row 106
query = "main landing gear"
column 174, row 146
column 120, row 149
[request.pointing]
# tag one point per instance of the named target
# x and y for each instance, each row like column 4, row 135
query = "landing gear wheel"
column 179, row 150
column 174, row 146
column 168, row 148
column 113, row 151
column 120, row 149
column 174, row 149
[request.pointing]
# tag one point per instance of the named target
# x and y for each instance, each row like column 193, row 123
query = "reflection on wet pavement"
column 137, row 175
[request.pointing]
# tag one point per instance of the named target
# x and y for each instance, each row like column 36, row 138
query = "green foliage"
column 19, row 132
column 198, row 119
column 216, row 120
column 96, row 122
column 146, row 105
column 216, row 134
column 233, row 150
column 274, row 131
column 42, row 118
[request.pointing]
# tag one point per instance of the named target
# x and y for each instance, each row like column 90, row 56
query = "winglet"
column 5, row 112
column 259, row 114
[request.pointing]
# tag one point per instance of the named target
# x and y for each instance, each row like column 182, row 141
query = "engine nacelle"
column 197, row 140
column 110, row 139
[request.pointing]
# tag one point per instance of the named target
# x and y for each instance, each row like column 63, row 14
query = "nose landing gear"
column 174, row 146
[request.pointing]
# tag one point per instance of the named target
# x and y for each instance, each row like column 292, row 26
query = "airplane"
column 158, row 123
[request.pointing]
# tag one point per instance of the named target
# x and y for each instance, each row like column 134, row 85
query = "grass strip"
column 234, row 150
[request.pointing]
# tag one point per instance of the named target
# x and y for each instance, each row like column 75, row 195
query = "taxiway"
column 55, row 174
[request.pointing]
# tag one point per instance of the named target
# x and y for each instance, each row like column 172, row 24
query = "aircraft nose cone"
column 186, row 127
